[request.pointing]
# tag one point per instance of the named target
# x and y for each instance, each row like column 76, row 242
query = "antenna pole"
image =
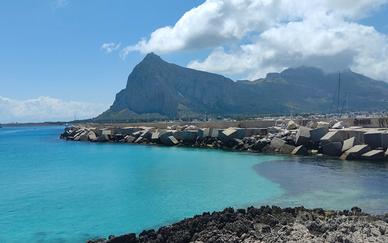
column 339, row 92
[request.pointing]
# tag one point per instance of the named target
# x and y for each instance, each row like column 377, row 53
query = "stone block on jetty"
column 332, row 149
column 355, row 153
column 92, row 136
column 348, row 144
column 164, row 137
column 321, row 124
column 249, row 132
column 277, row 143
column 106, row 132
column 373, row 139
column 204, row 133
column 338, row 125
column 231, row 133
column 303, row 136
column 342, row 135
column 170, row 141
column 214, row 132
column 286, row 149
column 103, row 138
column 129, row 139
column 300, row 150
column 128, row 130
column 317, row 133
column 81, row 135
column 186, row 135
column 374, row 155
column 280, row 146
column 291, row 125
column 146, row 133
column 260, row 144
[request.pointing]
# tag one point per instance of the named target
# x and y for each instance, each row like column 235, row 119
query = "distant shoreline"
column 33, row 124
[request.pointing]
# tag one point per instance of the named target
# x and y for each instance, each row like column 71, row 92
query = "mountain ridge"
column 157, row 89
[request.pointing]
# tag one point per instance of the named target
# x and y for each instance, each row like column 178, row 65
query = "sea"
column 64, row 191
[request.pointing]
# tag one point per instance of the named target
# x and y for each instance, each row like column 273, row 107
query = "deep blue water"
column 57, row 191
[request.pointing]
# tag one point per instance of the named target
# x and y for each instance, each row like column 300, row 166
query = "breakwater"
column 314, row 138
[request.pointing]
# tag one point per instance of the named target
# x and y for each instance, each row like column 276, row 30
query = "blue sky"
column 51, row 50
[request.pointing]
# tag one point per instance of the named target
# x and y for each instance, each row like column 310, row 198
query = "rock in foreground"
column 268, row 224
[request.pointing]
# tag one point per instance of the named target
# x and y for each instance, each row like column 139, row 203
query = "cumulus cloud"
column 110, row 47
column 252, row 37
column 46, row 109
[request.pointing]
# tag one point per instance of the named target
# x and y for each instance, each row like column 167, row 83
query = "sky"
column 66, row 59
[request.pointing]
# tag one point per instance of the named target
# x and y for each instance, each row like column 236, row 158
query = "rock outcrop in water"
column 268, row 224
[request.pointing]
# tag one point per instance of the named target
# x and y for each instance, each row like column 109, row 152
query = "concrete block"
column 348, row 144
column 231, row 133
column 355, row 152
column 332, row 149
column 155, row 136
column 373, row 139
column 286, row 149
column 92, row 136
column 300, row 150
column 106, row 132
column 338, row 125
column 103, row 138
column 255, row 131
column 171, row 141
column 214, row 132
column 277, row 143
column 384, row 140
column 317, row 133
column 321, row 124
column 129, row 139
column 140, row 139
column 83, row 136
column 303, row 136
column 186, row 135
column 203, row 133
column 342, row 135
column 374, row 155
column 127, row 130
column 291, row 125
column 260, row 144
column 164, row 136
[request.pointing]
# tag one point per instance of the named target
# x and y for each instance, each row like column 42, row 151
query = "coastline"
column 268, row 224
column 317, row 139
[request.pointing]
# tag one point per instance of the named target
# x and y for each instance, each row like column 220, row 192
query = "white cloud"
column 46, row 109
column 110, row 47
column 252, row 37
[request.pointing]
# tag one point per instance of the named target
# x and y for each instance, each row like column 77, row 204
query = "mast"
column 339, row 92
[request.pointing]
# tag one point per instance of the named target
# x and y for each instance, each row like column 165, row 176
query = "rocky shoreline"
column 268, row 224
column 316, row 138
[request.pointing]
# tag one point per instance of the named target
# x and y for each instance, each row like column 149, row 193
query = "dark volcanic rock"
column 268, row 224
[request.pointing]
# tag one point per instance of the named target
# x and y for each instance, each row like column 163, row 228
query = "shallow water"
column 58, row 191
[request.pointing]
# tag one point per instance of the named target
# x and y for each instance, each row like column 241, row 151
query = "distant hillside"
column 160, row 90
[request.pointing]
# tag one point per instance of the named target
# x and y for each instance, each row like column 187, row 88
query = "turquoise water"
column 57, row 191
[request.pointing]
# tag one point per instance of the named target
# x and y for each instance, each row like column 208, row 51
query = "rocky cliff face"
column 157, row 89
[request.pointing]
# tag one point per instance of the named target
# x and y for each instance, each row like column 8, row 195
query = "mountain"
column 160, row 90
